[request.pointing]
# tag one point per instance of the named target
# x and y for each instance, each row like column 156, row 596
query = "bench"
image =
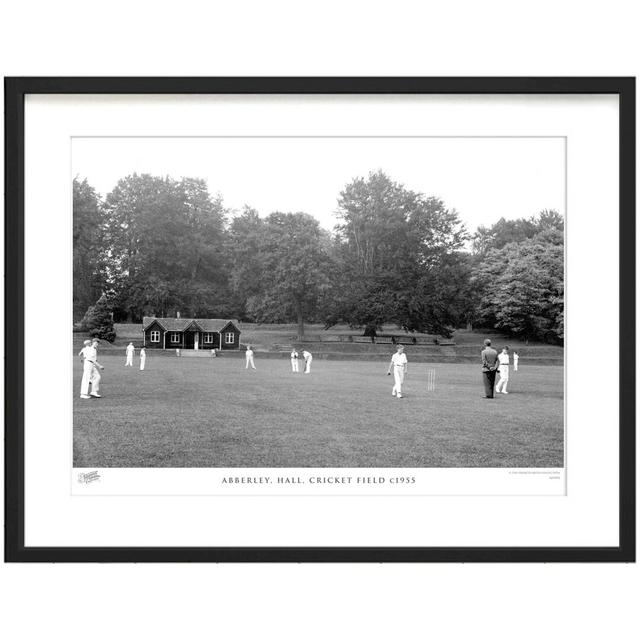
column 362, row 339
column 331, row 338
column 384, row 340
column 426, row 340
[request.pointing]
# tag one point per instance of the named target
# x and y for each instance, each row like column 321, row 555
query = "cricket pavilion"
column 190, row 333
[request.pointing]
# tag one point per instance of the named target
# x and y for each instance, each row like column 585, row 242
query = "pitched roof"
column 180, row 324
column 215, row 324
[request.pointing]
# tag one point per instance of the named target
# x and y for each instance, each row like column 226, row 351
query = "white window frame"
column 175, row 337
column 154, row 336
column 208, row 338
column 229, row 334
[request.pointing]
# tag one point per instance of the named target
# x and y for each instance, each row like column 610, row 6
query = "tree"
column 244, row 242
column 281, row 265
column 504, row 231
column 398, row 252
column 167, row 247
column 518, row 276
column 523, row 289
column 89, row 249
column 98, row 320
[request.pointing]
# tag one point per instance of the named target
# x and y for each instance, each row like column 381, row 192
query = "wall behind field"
column 332, row 38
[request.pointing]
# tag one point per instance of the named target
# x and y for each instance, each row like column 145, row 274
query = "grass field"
column 206, row 412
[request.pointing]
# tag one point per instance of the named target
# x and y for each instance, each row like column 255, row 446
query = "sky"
column 484, row 179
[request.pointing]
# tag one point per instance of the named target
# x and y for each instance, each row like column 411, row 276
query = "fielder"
column 95, row 374
column 143, row 358
column 249, row 358
column 503, row 370
column 308, row 359
column 294, row 360
column 516, row 357
column 399, row 364
column 88, row 355
column 87, row 367
column 130, row 352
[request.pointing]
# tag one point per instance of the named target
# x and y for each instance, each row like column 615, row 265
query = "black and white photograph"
column 364, row 320
column 318, row 302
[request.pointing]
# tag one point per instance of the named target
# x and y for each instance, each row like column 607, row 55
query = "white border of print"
column 323, row 481
column 56, row 518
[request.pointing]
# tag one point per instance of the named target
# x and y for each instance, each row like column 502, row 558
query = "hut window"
column 208, row 338
column 229, row 337
column 154, row 336
column 175, row 338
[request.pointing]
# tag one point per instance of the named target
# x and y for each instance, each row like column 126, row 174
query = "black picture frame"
column 15, row 91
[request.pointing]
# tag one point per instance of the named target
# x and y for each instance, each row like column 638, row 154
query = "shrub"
column 98, row 320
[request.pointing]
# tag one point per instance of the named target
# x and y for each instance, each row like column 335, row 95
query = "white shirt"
column 294, row 354
column 249, row 353
column 84, row 352
column 90, row 353
column 399, row 359
column 306, row 355
column 130, row 349
column 515, row 357
column 143, row 353
column 503, row 358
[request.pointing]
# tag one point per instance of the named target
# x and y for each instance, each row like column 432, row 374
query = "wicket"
column 431, row 379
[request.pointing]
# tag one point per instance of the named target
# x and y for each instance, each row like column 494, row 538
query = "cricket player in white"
column 516, row 357
column 249, row 358
column 143, row 358
column 503, row 370
column 90, row 365
column 294, row 361
column 95, row 373
column 308, row 359
column 87, row 368
column 399, row 364
column 130, row 351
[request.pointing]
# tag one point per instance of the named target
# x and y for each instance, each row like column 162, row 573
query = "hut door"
column 188, row 340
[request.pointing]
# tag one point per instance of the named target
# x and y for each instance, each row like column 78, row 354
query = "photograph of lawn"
column 212, row 412
column 392, row 262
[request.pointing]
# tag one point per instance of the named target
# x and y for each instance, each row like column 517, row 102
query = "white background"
column 55, row 518
column 463, row 38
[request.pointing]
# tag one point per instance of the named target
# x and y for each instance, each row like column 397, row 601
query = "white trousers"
column 294, row 365
column 142, row 361
column 95, row 380
column 504, row 378
column 129, row 362
column 398, row 376
column 250, row 362
column 307, row 364
column 87, row 370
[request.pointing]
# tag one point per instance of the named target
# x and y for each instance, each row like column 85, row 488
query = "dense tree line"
column 518, row 277
column 155, row 246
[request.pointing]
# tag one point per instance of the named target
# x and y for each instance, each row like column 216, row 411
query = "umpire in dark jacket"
column 489, row 367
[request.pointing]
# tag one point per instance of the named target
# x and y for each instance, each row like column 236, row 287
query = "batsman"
column 399, row 364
